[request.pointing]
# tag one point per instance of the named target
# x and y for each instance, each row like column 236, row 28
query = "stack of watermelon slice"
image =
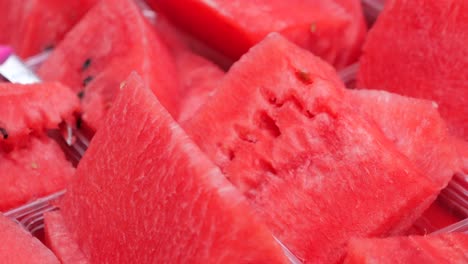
column 270, row 159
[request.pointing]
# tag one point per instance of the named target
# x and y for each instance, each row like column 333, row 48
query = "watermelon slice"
column 19, row 246
column 198, row 76
column 280, row 128
column 333, row 30
column 31, row 172
column 411, row 123
column 200, row 79
column 37, row 25
column 438, row 249
column 59, row 240
column 112, row 40
column 33, row 108
column 437, row 216
column 418, row 48
column 176, row 205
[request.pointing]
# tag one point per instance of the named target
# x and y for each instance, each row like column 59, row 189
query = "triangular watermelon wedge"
column 418, row 48
column 33, row 26
column 416, row 128
column 144, row 193
column 112, row 40
column 333, row 30
column 33, row 108
column 20, row 247
column 29, row 172
column 318, row 173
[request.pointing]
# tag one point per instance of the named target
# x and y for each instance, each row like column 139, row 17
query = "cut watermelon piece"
column 280, row 128
column 200, row 79
column 59, row 240
column 112, row 40
column 411, row 124
column 37, row 25
column 33, row 108
column 437, row 216
column 31, row 172
column 198, row 76
column 418, row 48
column 333, row 30
column 176, row 203
column 438, row 249
column 19, row 246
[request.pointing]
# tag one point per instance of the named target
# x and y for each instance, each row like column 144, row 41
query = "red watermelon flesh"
column 59, row 240
column 416, row 128
column 31, row 172
column 280, row 128
column 438, row 249
column 19, row 246
column 178, row 39
column 334, row 30
column 200, row 79
column 418, row 48
column 112, row 40
column 436, row 217
column 175, row 204
column 198, row 76
column 33, row 108
column 33, row 26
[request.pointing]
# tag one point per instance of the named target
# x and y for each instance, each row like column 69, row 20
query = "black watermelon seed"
column 4, row 132
column 87, row 80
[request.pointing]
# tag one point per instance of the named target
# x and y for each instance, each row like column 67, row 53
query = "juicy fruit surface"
column 438, row 249
column 112, row 40
column 198, row 76
column 33, row 108
column 178, row 205
column 36, row 25
column 281, row 130
column 437, row 216
column 418, row 48
column 59, row 240
column 31, row 172
column 18, row 246
column 411, row 123
column 333, row 30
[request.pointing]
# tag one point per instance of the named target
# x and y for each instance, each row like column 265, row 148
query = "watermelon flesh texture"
column 59, row 240
column 19, row 246
column 198, row 76
column 25, row 109
column 37, row 25
column 187, row 211
column 437, row 216
column 444, row 248
column 31, row 172
column 411, row 123
column 112, row 40
column 334, row 30
column 281, row 130
column 418, row 48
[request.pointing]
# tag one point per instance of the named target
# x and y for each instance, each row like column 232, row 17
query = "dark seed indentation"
column 87, row 80
column 267, row 123
column 81, row 94
column 304, row 77
column 79, row 122
column 86, row 64
column 4, row 132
